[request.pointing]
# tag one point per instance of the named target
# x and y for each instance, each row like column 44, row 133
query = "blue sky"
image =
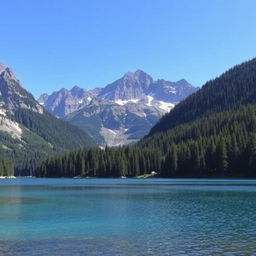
column 51, row 44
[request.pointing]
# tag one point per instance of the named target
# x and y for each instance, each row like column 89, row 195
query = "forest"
column 42, row 135
column 6, row 168
column 212, row 133
column 234, row 88
column 220, row 145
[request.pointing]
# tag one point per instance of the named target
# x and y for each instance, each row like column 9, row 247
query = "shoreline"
column 7, row 177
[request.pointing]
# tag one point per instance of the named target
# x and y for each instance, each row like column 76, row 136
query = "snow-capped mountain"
column 64, row 102
column 130, row 86
column 121, row 112
column 28, row 133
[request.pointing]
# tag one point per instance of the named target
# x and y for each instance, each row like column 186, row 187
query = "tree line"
column 6, row 168
column 217, row 145
column 231, row 90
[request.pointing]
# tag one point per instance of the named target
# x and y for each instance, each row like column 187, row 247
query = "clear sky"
column 51, row 44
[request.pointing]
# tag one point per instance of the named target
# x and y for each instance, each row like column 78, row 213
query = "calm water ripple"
column 127, row 217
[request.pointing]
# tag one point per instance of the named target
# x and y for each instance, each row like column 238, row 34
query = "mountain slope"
column 232, row 89
column 139, row 85
column 64, row 102
column 130, row 86
column 220, row 145
column 114, row 124
column 28, row 133
column 214, row 136
column 122, row 112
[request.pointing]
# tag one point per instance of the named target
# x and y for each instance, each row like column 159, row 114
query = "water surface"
column 127, row 217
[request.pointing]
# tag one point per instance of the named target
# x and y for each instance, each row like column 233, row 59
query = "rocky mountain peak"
column 2, row 68
column 43, row 98
column 137, row 74
column 121, row 112
column 77, row 91
column 64, row 101
column 13, row 96
column 7, row 73
column 131, row 86
column 76, row 88
column 183, row 82
column 138, row 77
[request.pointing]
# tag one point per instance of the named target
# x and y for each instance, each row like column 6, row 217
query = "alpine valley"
column 212, row 133
column 120, row 113
column 28, row 133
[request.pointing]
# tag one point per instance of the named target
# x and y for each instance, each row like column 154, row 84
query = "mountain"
column 64, row 102
column 170, row 91
column 130, row 86
column 120, row 113
column 139, row 85
column 116, row 124
column 232, row 89
column 28, row 133
column 212, row 133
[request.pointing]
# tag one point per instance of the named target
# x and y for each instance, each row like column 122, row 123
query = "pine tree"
column 222, row 158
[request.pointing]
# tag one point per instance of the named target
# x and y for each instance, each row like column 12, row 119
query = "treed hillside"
column 6, row 168
column 221, row 145
column 212, row 134
column 28, row 133
column 42, row 136
column 234, row 88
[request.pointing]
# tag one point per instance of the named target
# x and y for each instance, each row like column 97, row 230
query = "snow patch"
column 150, row 99
column 2, row 112
column 166, row 106
column 115, row 138
column 123, row 102
column 112, row 131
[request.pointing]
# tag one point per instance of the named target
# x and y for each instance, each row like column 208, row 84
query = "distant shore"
column 7, row 177
column 144, row 176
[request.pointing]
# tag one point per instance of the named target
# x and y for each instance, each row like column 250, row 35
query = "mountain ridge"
column 154, row 98
column 29, row 133
column 211, row 134
column 233, row 94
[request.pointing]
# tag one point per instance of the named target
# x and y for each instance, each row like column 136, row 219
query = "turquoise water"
column 127, row 217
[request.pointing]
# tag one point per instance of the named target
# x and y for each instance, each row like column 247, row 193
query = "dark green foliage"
column 6, row 168
column 211, row 134
column 234, row 88
column 140, row 126
column 90, row 124
column 55, row 131
column 220, row 145
column 170, row 163
column 110, row 162
column 42, row 135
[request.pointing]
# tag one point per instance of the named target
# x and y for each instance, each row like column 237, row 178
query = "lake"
column 136, row 217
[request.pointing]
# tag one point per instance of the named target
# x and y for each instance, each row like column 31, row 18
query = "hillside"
column 114, row 124
column 210, row 134
column 232, row 89
column 221, row 145
column 28, row 133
